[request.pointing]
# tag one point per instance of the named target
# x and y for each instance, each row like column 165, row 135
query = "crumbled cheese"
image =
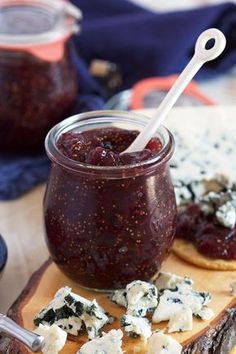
column 136, row 326
column 160, row 343
column 119, row 297
column 170, row 281
column 199, row 156
column 198, row 188
column 73, row 313
column 139, row 297
column 222, row 205
column 226, row 214
column 191, row 191
column 174, row 301
column 94, row 318
column 182, row 193
column 205, row 313
column 233, row 288
column 109, row 343
column 202, row 148
column 181, row 321
column 54, row 338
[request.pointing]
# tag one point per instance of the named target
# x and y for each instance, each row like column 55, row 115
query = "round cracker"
column 188, row 252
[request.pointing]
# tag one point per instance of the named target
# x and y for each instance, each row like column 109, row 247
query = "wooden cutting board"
column 212, row 336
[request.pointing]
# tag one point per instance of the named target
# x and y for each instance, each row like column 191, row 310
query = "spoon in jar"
column 202, row 55
column 12, row 329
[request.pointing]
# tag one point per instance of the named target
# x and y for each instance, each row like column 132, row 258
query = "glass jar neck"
column 54, row 23
column 104, row 119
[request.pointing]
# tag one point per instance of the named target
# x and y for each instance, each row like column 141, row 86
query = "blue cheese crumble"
column 109, row 343
column 191, row 191
column 205, row 314
column 196, row 166
column 54, row 338
column 222, row 205
column 136, row 326
column 202, row 148
column 171, row 281
column 174, row 301
column 160, row 343
column 119, row 297
column 181, row 321
column 139, row 298
column 73, row 313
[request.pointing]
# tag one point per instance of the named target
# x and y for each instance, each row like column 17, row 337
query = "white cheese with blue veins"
column 54, row 338
column 187, row 192
column 136, row 326
column 160, row 343
column 222, row 205
column 171, row 302
column 181, row 321
column 94, row 318
column 139, row 298
column 171, row 281
column 205, row 147
column 205, row 314
column 119, row 297
column 205, row 143
column 204, row 160
column 109, row 343
column 73, row 313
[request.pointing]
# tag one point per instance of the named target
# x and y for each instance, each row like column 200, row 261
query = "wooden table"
column 22, row 228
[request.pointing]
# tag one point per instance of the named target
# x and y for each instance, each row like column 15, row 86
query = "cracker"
column 188, row 252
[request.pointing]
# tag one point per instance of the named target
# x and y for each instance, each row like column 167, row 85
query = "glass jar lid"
column 25, row 23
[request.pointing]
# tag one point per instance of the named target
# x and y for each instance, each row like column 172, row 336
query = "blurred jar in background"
column 37, row 76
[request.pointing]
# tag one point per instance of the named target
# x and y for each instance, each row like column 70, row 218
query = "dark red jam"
column 35, row 95
column 209, row 237
column 105, row 231
column 103, row 147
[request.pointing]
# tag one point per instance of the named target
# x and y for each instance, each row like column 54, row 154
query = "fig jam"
column 209, row 237
column 35, row 95
column 110, row 218
column 37, row 74
column 103, row 147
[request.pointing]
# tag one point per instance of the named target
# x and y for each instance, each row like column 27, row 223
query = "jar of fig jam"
column 37, row 75
column 109, row 218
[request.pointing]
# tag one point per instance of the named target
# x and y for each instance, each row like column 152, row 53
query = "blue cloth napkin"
column 3, row 254
column 143, row 44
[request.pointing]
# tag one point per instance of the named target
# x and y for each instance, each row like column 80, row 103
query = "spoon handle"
column 30, row 339
column 201, row 55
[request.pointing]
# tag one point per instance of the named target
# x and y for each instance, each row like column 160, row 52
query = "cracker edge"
column 186, row 251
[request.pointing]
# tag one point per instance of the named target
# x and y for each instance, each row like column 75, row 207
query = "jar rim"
column 65, row 13
column 55, row 155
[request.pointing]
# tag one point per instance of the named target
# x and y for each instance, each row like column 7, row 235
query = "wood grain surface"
column 207, row 336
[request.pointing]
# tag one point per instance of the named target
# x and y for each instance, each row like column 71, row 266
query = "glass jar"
column 37, row 75
column 106, row 226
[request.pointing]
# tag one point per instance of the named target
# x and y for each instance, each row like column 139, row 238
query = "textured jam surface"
column 102, row 147
column 105, row 232
column 209, row 237
column 35, row 95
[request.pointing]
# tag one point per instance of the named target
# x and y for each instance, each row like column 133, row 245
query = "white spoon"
column 201, row 56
